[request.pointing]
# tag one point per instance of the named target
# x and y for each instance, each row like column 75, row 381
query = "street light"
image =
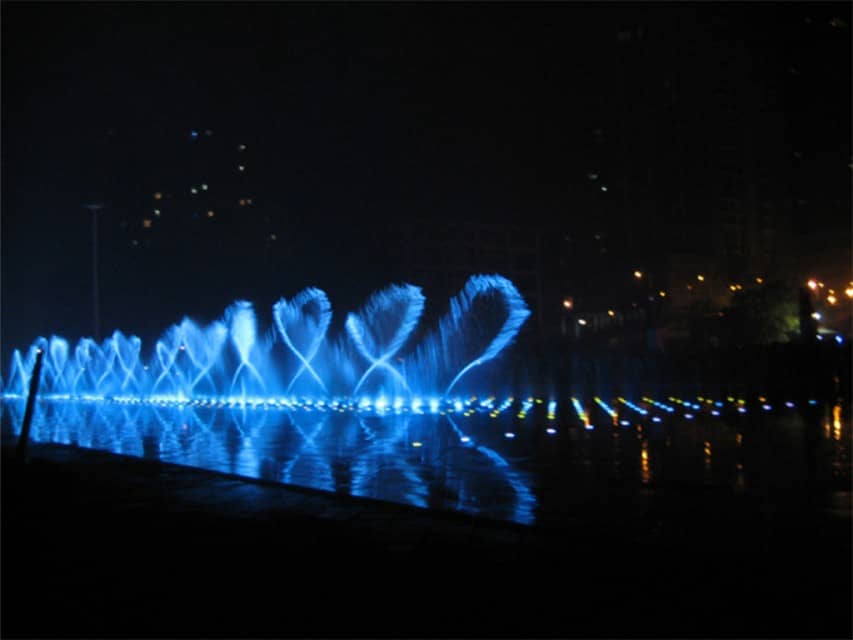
column 96, row 293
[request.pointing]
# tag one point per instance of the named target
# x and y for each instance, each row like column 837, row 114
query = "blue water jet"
column 293, row 360
column 290, row 318
column 373, row 329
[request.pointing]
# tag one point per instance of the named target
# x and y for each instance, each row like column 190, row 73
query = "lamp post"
column 96, row 292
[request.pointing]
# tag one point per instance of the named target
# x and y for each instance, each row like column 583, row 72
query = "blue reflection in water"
column 452, row 453
column 423, row 460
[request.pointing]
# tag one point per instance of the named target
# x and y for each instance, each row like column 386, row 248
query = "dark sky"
column 353, row 116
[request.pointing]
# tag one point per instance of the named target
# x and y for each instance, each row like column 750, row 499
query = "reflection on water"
column 836, row 422
column 465, row 460
column 645, row 469
column 421, row 460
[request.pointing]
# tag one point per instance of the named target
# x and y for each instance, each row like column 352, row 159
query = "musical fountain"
column 369, row 412
column 231, row 362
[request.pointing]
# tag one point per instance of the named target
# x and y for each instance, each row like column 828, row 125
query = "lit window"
column 158, row 196
column 210, row 214
column 146, row 224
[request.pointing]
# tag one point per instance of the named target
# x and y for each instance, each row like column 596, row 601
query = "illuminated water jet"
column 233, row 362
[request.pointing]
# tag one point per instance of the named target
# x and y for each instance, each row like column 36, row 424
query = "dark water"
column 543, row 472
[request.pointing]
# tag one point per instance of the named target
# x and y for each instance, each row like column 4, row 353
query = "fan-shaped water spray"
column 230, row 360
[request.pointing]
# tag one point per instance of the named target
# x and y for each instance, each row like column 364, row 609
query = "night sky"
column 354, row 116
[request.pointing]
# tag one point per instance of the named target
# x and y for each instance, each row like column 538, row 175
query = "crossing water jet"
column 233, row 360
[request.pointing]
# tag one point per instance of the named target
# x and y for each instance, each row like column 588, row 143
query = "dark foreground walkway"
column 97, row 545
